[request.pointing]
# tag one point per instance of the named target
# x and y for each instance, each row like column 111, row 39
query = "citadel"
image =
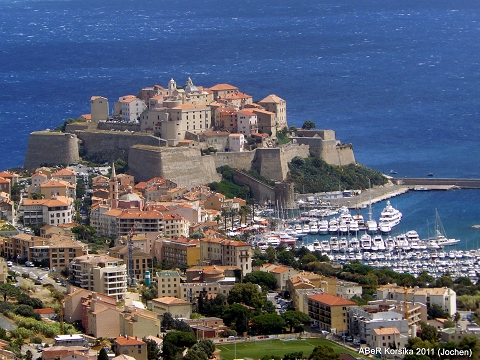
column 168, row 132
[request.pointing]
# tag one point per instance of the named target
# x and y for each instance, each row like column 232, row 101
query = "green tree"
column 247, row 294
column 153, row 352
column 271, row 254
column 266, row 280
column 308, row 258
column 436, row 311
column 293, row 356
column 448, row 324
column 269, row 323
column 309, row 125
column 285, row 257
column 470, row 343
column 8, row 290
column 324, row 352
column 28, row 355
column 175, row 342
column 207, row 346
column 167, row 321
column 236, row 316
column 102, row 355
column 38, row 196
column 295, row 318
column 429, row 333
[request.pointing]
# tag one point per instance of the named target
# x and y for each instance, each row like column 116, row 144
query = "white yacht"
column 353, row 227
column 333, row 225
column 313, row 228
column 325, row 244
column 334, row 244
column 390, row 215
column 379, row 243
column 323, row 227
column 385, row 226
column 372, row 226
column 360, row 221
column 402, row 242
column 366, row 242
column 354, row 244
column 343, row 244
column 342, row 227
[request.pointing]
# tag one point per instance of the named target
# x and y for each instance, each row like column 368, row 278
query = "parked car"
column 9, row 263
column 29, row 264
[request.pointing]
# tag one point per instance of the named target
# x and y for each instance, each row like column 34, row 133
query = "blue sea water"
column 397, row 79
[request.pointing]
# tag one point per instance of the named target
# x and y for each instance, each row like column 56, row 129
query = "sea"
column 397, row 79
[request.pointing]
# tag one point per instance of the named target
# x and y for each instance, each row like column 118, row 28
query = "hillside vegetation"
column 312, row 175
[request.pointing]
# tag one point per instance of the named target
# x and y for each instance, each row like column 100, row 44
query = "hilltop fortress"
column 184, row 134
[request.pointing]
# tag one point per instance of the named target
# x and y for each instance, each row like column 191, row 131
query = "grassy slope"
column 256, row 350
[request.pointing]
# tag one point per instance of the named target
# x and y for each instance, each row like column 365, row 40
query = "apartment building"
column 129, row 107
column 100, row 316
column 179, row 251
column 65, row 175
column 55, row 211
column 330, row 312
column 445, row 297
column 138, row 322
column 100, row 273
column 236, row 142
column 142, row 261
column 168, row 283
column 247, row 122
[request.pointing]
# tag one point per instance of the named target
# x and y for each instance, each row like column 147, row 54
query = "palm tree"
column 225, row 213
column 233, row 213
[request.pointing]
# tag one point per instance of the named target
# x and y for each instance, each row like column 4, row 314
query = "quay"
column 399, row 186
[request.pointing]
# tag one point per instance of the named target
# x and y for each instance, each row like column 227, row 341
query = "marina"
column 345, row 234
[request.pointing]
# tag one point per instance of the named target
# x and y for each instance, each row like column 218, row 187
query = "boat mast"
column 370, row 202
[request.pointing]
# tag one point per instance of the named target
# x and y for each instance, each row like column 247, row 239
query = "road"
column 35, row 273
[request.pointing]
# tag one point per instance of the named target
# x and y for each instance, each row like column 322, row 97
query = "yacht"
column 334, row 244
column 343, row 244
column 305, row 229
column 313, row 229
column 333, row 226
column 323, row 227
column 366, row 242
column 390, row 215
column 385, row 226
column 354, row 227
column 372, row 226
column 402, row 242
column 354, row 244
column 343, row 228
column 390, row 243
column 325, row 244
column 360, row 221
column 379, row 243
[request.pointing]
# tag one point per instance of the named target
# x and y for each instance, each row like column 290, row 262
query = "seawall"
column 45, row 147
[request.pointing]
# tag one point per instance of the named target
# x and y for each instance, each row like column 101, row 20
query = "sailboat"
column 371, row 224
column 440, row 236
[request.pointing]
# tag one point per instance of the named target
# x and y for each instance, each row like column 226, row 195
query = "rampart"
column 105, row 145
column 49, row 147
column 262, row 192
column 241, row 160
column 117, row 126
column 272, row 163
column 183, row 166
column 330, row 150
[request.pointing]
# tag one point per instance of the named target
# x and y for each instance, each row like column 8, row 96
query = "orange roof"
column 86, row 116
column 246, row 112
column 64, row 172
column 331, row 300
column 220, row 87
column 272, row 98
column 263, row 111
column 170, row 300
column 128, row 340
column 280, row 269
column 386, row 331
column 4, row 181
column 189, row 106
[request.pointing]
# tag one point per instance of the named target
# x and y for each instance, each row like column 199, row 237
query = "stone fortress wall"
column 46, row 147
column 109, row 145
column 148, row 155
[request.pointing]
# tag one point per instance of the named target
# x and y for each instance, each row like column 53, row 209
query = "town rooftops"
column 58, row 201
column 280, row 269
column 331, row 300
column 386, row 331
column 64, row 172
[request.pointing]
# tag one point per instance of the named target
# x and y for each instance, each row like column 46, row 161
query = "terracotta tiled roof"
column 171, row 300
column 386, row 331
column 220, row 87
column 64, row 172
column 128, row 340
column 272, row 98
column 44, row 311
column 331, row 300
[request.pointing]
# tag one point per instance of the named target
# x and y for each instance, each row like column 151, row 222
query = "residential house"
column 179, row 308
column 142, row 261
column 58, row 210
column 236, row 142
column 278, row 106
column 138, row 322
column 131, row 346
column 385, row 338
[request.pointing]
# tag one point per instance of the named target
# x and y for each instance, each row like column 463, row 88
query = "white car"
column 9, row 263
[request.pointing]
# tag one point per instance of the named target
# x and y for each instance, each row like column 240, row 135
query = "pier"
column 432, row 183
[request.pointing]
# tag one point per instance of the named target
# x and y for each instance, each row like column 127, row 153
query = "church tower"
column 113, row 188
